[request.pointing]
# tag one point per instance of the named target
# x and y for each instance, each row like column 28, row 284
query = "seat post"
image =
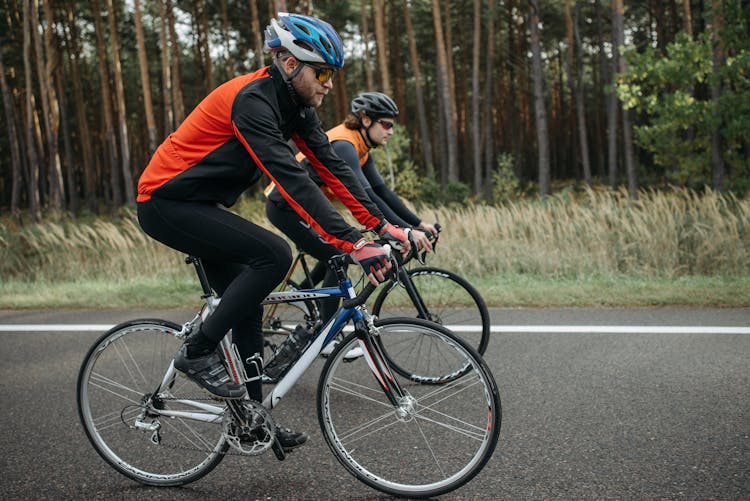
column 202, row 278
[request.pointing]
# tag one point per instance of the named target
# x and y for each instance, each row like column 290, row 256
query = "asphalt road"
column 593, row 415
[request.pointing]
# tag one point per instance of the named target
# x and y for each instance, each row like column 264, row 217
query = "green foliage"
column 396, row 159
column 672, row 92
column 505, row 183
column 457, row 193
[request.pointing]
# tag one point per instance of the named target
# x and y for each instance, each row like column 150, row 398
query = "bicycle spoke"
column 370, row 426
column 337, row 384
column 116, row 418
column 190, row 434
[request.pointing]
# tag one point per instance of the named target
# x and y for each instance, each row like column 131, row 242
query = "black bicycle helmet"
column 375, row 105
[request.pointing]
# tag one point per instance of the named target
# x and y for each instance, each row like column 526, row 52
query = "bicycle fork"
column 368, row 334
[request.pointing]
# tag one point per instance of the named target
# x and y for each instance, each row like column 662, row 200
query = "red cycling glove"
column 373, row 259
column 397, row 235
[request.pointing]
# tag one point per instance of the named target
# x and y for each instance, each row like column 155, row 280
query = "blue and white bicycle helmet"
column 309, row 39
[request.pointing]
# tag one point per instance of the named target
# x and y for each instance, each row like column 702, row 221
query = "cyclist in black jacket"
column 238, row 132
column 368, row 126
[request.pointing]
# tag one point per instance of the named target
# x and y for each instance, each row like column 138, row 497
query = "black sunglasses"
column 323, row 75
column 386, row 125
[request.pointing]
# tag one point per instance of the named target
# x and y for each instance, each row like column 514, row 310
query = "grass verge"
column 498, row 291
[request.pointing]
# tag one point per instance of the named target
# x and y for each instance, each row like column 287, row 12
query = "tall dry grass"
column 665, row 234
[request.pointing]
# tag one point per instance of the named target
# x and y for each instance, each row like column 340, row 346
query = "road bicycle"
column 408, row 438
column 426, row 292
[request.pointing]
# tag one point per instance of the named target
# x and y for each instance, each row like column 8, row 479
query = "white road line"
column 577, row 329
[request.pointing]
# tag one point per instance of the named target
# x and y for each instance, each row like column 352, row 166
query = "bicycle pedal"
column 278, row 450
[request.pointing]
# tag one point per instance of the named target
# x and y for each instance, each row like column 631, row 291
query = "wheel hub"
column 407, row 408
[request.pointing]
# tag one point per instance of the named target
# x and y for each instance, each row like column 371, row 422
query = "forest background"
column 577, row 152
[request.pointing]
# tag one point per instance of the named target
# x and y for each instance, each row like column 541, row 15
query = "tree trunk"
column 687, row 18
column 257, row 34
column 166, row 71
column 445, row 100
column 145, row 80
column 397, row 60
column 177, row 99
column 31, row 149
column 618, row 15
column 449, row 63
column 110, row 142
column 74, row 201
column 717, row 161
column 341, row 103
column 612, row 109
column 424, row 132
column 576, row 87
column 229, row 64
column 15, row 151
column 122, row 128
column 476, row 136
column 205, row 48
column 365, row 38
column 89, row 176
column 382, row 46
column 600, row 101
column 539, row 105
column 50, row 107
column 489, row 155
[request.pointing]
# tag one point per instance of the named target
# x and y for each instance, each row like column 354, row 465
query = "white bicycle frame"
column 213, row 413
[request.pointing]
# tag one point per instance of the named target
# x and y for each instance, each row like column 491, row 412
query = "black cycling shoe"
column 209, row 372
column 290, row 439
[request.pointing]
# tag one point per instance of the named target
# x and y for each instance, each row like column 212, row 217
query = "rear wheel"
column 127, row 386
column 440, row 296
column 437, row 437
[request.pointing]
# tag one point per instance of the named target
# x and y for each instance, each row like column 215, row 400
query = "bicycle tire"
column 440, row 444
column 450, row 300
column 119, row 373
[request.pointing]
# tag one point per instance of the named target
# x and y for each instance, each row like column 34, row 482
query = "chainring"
column 255, row 435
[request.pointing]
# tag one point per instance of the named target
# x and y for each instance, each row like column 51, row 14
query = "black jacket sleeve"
column 256, row 120
column 404, row 216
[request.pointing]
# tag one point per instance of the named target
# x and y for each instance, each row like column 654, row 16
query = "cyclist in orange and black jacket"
column 237, row 133
column 368, row 126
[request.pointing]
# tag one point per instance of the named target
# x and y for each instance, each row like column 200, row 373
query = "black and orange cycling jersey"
column 241, row 130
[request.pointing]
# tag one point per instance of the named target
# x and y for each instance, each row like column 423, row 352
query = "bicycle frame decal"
column 287, row 296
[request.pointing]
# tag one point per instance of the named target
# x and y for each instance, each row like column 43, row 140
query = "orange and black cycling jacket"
column 241, row 130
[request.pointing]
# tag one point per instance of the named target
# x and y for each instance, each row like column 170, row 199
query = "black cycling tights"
column 244, row 263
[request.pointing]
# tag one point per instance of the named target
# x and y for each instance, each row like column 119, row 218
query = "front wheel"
column 433, row 439
column 145, row 421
